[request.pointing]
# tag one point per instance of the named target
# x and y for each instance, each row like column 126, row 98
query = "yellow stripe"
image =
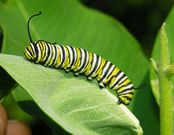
column 67, row 60
column 43, row 50
column 123, row 83
column 58, row 57
column 116, row 70
column 100, row 69
column 52, row 56
column 30, row 49
column 126, row 101
column 41, row 47
column 77, row 63
column 27, row 55
column 88, row 66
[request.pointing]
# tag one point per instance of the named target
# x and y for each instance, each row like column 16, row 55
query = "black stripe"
column 32, row 49
column 80, row 57
column 55, row 56
column 42, row 62
column 77, row 59
column 128, row 98
column 87, row 61
column 73, row 57
column 126, row 78
column 107, row 83
column 102, row 68
column 63, row 56
column 120, row 78
column 119, row 72
column 105, row 74
column 36, row 50
column 48, row 52
column 95, row 67
column 120, row 93
column 29, row 51
column 69, row 57
column 120, row 101
column 124, row 85
column 124, row 90
column 84, row 62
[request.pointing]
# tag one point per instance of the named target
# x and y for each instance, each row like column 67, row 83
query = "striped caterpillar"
column 81, row 61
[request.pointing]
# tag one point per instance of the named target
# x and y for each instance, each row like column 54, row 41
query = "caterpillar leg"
column 89, row 78
column 67, row 70
column 76, row 74
column 101, row 85
column 120, row 101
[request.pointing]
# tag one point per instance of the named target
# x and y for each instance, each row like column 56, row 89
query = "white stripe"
column 29, row 55
column 92, row 64
column 39, row 53
column 82, row 58
column 127, row 91
column 86, row 62
column 46, row 51
column 99, row 63
column 61, row 55
column 122, row 80
column 32, row 46
column 105, row 68
column 49, row 55
column 65, row 59
column 53, row 51
column 116, row 79
column 55, row 56
column 111, row 70
column 71, row 56
column 128, row 86
column 75, row 58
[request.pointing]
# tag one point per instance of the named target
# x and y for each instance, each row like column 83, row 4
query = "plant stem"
column 166, row 118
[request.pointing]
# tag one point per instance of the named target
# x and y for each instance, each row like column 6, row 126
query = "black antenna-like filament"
column 28, row 26
column 142, row 85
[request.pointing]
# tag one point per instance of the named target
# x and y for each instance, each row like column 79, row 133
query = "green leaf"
column 169, row 28
column 80, row 109
column 155, row 53
column 71, row 23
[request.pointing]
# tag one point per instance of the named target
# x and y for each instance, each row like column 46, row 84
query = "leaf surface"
column 80, row 109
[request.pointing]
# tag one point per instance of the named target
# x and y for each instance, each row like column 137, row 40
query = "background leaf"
column 72, row 23
column 155, row 54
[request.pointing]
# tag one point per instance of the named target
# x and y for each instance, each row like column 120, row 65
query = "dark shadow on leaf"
column 32, row 108
column 1, row 38
column 6, row 83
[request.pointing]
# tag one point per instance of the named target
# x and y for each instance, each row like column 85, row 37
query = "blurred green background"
column 142, row 18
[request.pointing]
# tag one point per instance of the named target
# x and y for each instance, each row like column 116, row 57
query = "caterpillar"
column 80, row 61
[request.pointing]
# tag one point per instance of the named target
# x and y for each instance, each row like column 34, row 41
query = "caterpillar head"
column 30, row 52
column 124, row 100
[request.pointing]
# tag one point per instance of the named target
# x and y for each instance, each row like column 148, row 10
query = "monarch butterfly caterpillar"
column 80, row 61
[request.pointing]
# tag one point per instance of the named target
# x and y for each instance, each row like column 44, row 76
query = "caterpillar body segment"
column 81, row 61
